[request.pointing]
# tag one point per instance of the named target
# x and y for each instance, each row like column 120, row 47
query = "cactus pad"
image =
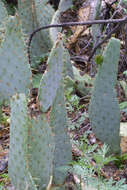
column 63, row 149
column 17, row 166
column 51, row 79
column 15, row 74
column 104, row 111
column 41, row 151
column 3, row 14
column 44, row 14
column 35, row 14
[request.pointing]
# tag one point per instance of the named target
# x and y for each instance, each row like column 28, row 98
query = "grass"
column 88, row 173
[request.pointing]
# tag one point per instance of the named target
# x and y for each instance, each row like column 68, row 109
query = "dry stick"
column 120, row 21
column 102, row 41
column 114, row 14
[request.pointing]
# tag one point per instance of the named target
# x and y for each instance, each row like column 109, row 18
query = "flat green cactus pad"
column 63, row 149
column 15, row 74
column 54, row 31
column 41, row 151
column 25, row 11
column 51, row 79
column 35, row 14
column 17, row 166
column 44, row 14
column 104, row 111
column 68, row 69
column 3, row 14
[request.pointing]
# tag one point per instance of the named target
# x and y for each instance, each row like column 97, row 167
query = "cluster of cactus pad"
column 40, row 146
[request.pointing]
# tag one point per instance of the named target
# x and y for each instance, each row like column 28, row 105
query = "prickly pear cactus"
column 18, row 152
column 44, row 144
column 41, row 151
column 54, row 31
column 15, row 74
column 95, row 13
column 35, row 14
column 58, row 120
column 51, row 94
column 31, row 148
column 44, row 14
column 25, row 11
column 104, row 111
column 51, row 79
column 3, row 19
column 58, row 63
column 3, row 14
column 67, row 70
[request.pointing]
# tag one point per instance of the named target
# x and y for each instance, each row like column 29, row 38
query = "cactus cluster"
column 35, row 145
column 45, row 143
column 40, row 146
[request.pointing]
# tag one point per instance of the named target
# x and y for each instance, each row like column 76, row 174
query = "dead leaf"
column 83, row 15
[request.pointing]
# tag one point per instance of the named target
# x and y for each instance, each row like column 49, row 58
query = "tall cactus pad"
column 3, row 14
column 44, row 14
column 35, row 14
column 15, row 72
column 51, row 79
column 68, row 69
column 17, row 167
column 25, row 10
column 41, row 151
column 3, row 18
column 104, row 110
column 95, row 13
column 63, row 149
column 54, row 31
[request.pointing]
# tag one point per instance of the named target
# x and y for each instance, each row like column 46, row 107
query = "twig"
column 101, row 42
column 114, row 14
column 79, row 59
column 120, row 21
